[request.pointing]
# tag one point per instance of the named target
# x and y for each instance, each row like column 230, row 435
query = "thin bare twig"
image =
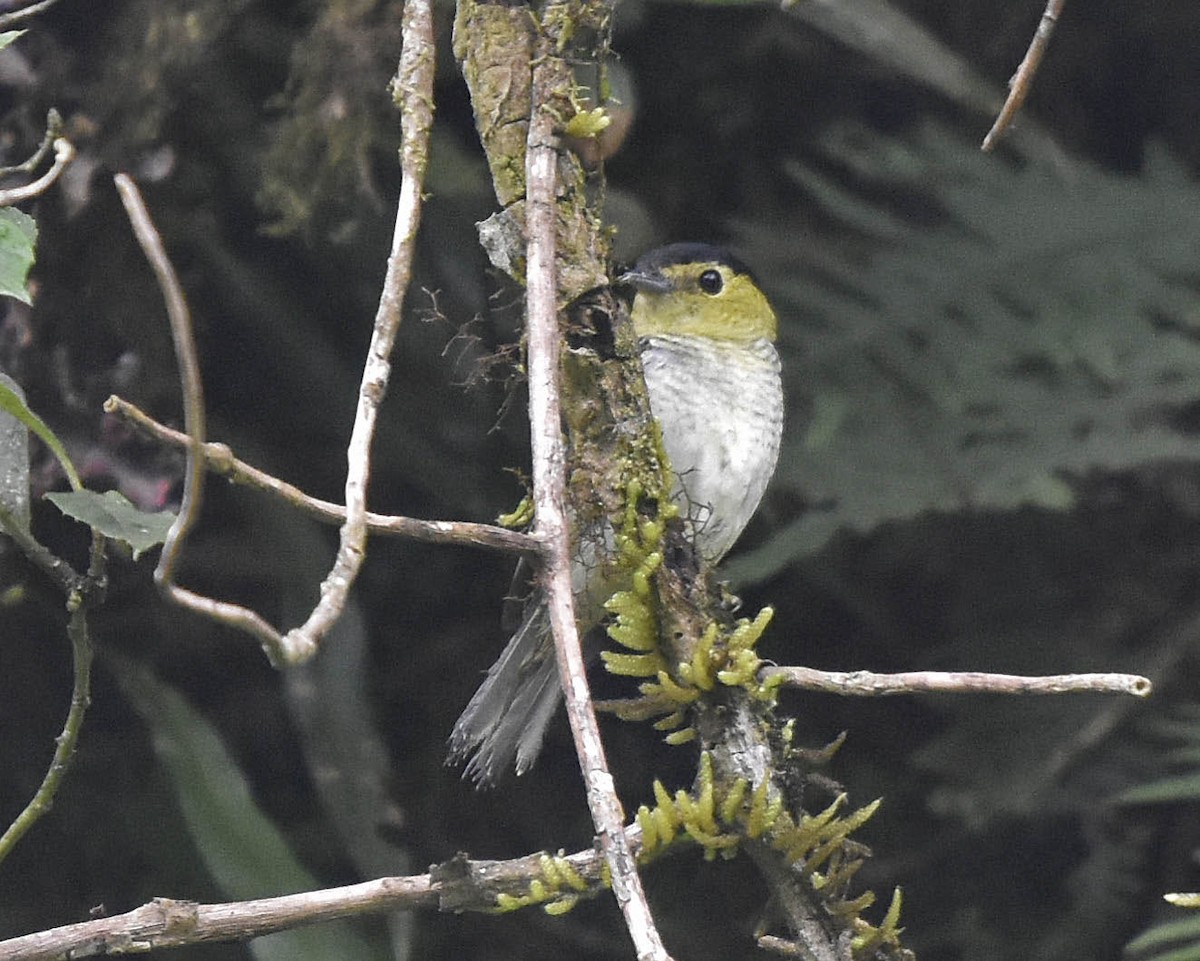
column 189, row 374
column 413, row 87
column 233, row 615
column 8, row 19
column 30, row 164
column 65, row 743
column 551, row 525
column 82, row 593
column 868, row 684
column 219, row 459
column 1022, row 81
column 64, row 153
column 458, row 885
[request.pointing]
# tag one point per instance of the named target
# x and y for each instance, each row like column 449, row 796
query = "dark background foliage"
column 265, row 139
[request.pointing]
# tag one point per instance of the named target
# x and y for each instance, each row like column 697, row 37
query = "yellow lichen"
column 670, row 722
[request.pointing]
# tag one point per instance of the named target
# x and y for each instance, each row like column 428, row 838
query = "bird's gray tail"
column 508, row 716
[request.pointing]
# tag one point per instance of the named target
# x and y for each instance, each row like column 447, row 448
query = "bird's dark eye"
column 711, row 281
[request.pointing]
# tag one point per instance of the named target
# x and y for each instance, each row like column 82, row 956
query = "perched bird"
column 706, row 337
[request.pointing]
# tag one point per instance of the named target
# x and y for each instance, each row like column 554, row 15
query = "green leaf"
column 1167, row 790
column 14, row 403
column 18, row 237
column 241, row 847
column 1190, row 952
column 1167, row 932
column 8, row 36
column 113, row 515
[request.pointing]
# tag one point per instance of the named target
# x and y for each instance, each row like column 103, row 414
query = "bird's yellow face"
column 700, row 291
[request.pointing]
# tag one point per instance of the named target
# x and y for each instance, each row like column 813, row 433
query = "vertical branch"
column 82, row 593
column 544, row 197
column 194, row 419
column 413, row 89
column 193, row 414
column 64, row 753
column 549, row 492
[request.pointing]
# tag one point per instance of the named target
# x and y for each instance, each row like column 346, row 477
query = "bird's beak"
column 654, row 283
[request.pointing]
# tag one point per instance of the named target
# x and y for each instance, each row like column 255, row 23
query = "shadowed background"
column 990, row 460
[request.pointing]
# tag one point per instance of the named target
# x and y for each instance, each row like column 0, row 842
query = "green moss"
column 719, row 818
column 519, row 517
column 887, row 934
column 557, row 888
column 588, row 123
column 724, row 656
column 494, row 44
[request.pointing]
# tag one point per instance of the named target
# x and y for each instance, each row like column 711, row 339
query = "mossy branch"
column 704, row 681
column 456, row 885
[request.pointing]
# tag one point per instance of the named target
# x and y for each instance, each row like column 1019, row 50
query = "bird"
column 706, row 339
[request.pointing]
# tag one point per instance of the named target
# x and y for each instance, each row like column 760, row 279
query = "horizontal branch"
column 219, row 459
column 868, row 684
column 457, row 885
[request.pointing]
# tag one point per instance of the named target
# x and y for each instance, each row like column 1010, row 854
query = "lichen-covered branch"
column 551, row 881
column 709, row 675
column 495, row 45
column 553, row 518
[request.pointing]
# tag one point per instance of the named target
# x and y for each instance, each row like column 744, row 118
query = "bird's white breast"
column 720, row 406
